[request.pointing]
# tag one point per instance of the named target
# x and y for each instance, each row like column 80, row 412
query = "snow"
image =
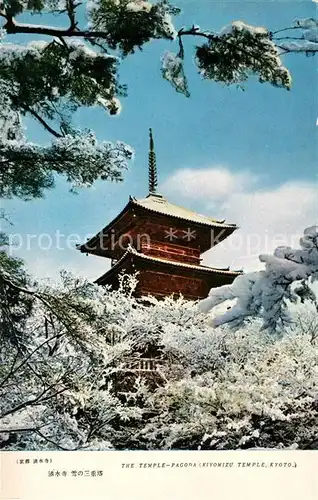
column 311, row 34
column 307, row 38
column 241, row 26
column 36, row 47
column 216, row 382
column 265, row 293
column 9, row 51
column 38, row 44
column 80, row 48
column 113, row 104
column 299, row 46
column 308, row 22
column 92, row 5
column 168, row 26
column 254, row 51
column 172, row 70
column 139, row 6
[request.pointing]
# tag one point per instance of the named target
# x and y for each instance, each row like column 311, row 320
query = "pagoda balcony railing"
column 141, row 365
column 167, row 252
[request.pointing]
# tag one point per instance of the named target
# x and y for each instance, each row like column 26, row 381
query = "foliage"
column 50, row 78
column 130, row 24
column 239, row 51
column 211, row 389
column 251, row 391
column 50, row 83
column 265, row 294
column 29, row 169
column 16, row 306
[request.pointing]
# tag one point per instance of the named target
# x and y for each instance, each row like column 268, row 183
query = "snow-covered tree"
column 61, row 69
column 52, row 382
column 214, row 389
column 267, row 294
column 249, row 390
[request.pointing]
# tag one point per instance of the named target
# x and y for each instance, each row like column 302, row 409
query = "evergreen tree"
column 73, row 66
column 267, row 294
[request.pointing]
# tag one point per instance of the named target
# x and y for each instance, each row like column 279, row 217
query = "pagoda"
column 163, row 242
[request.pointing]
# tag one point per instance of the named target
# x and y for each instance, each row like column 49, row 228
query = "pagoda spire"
column 152, row 168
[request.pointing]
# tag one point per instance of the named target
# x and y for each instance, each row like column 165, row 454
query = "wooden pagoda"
column 164, row 243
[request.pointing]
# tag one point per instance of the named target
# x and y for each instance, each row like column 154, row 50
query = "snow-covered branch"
column 266, row 294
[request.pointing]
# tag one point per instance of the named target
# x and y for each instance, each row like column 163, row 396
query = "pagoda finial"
column 152, row 168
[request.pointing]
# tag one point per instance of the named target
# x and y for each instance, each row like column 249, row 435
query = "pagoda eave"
column 135, row 214
column 161, row 277
column 92, row 244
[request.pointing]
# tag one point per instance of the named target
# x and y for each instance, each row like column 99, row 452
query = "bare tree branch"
column 26, row 359
column 300, row 50
column 13, row 28
column 71, row 6
column 42, row 121
column 17, row 429
column 195, row 32
column 288, row 38
column 49, row 440
column 33, row 402
column 286, row 29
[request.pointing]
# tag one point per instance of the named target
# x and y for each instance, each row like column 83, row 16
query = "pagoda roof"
column 133, row 252
column 159, row 204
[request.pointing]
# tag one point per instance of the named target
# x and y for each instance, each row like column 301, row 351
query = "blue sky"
column 254, row 152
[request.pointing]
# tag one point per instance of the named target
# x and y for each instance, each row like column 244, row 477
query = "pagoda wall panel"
column 178, row 232
column 159, row 283
column 187, row 233
column 171, row 252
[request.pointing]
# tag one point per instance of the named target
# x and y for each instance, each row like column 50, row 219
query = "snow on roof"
column 133, row 251
column 188, row 266
column 157, row 203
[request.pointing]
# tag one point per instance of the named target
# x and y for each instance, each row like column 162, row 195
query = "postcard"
column 159, row 249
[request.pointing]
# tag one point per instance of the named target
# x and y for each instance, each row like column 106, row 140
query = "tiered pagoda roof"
column 168, row 251
column 159, row 204
column 134, row 255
